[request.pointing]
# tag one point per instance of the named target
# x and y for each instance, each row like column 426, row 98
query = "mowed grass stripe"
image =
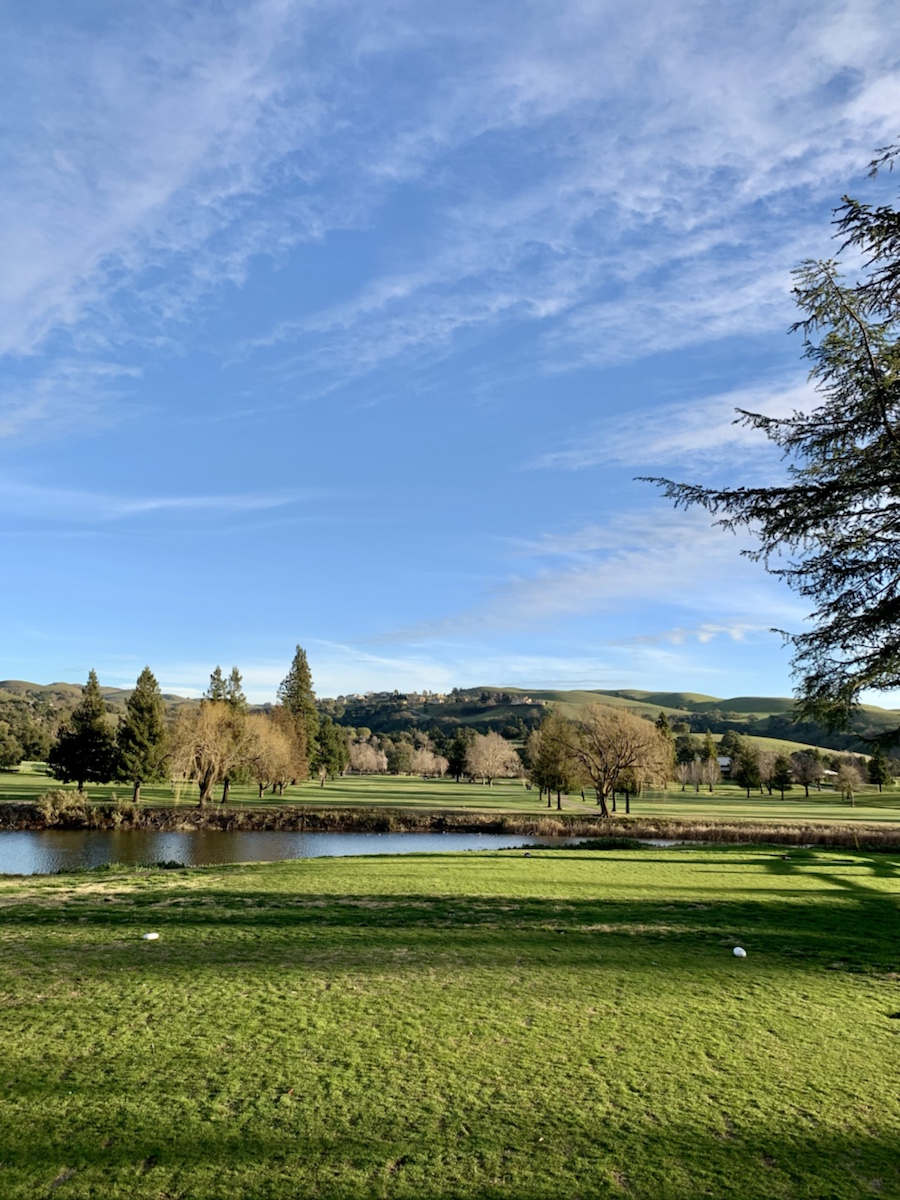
column 568, row 1024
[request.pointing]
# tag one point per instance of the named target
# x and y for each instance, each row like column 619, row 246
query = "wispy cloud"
column 615, row 244
column 702, row 433
column 649, row 562
column 24, row 500
column 155, row 153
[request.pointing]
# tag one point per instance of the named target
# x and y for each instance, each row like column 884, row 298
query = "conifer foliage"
column 296, row 695
column 86, row 748
column 141, row 737
column 832, row 529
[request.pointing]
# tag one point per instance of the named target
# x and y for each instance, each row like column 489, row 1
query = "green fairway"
column 571, row 1024
column 410, row 792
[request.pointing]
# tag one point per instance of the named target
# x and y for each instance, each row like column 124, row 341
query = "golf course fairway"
column 562, row 1024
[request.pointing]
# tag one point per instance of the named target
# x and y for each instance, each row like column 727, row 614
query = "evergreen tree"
column 878, row 770
column 458, row 751
column 685, row 748
column 295, row 693
column 830, row 530
column 86, row 748
column 234, row 693
column 665, row 729
column 141, row 737
column 11, row 752
column 782, row 775
column 332, row 753
column 709, row 751
column 729, row 743
column 745, row 767
column 217, row 689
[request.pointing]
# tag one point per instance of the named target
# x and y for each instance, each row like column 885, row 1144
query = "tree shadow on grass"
column 210, row 926
column 479, row 1154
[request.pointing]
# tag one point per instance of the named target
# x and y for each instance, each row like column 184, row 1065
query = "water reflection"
column 40, row 852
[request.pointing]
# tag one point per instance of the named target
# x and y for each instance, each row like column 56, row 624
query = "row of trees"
column 219, row 741
column 216, row 742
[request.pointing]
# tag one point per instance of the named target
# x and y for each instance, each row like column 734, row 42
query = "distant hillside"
column 35, row 711
column 514, row 711
column 67, row 693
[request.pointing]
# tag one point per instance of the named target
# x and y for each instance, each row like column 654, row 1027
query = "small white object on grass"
column 150, row 937
column 739, row 952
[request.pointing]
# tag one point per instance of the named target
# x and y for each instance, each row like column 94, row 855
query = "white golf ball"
column 150, row 937
column 739, row 952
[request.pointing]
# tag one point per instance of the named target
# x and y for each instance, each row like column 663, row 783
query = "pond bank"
column 303, row 819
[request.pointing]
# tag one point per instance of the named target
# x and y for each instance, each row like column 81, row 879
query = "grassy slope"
column 567, row 1025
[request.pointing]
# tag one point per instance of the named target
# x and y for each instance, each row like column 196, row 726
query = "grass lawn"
column 727, row 802
column 572, row 1025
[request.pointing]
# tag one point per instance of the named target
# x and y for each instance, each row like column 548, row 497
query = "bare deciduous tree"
column 268, row 751
column 422, row 761
column 849, row 781
column 767, row 769
column 365, row 759
column 294, row 730
column 207, row 743
column 606, row 742
column 491, row 757
column 711, row 772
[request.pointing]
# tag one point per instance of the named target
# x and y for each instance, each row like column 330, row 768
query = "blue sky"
column 350, row 324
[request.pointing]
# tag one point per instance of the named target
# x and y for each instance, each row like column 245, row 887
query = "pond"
column 41, row 852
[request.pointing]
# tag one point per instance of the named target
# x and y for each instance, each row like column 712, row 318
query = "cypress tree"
column 86, row 748
column 142, row 736
column 295, row 693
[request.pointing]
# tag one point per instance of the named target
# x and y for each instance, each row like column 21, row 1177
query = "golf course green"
column 563, row 1024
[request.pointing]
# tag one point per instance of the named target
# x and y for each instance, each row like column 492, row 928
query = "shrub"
column 56, row 804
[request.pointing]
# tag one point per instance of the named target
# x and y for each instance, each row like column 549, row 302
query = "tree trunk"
column 80, row 787
column 136, row 794
column 206, row 786
column 549, row 798
column 601, row 801
column 628, row 804
column 262, row 788
column 226, row 788
column 558, row 802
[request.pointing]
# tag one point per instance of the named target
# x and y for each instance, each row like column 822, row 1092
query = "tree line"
column 219, row 742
